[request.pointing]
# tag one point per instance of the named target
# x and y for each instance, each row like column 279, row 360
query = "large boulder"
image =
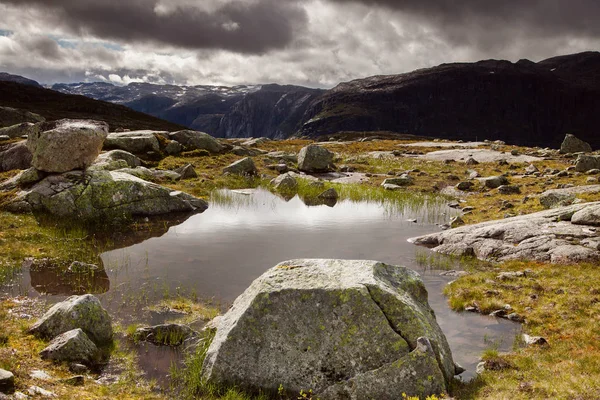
column 313, row 158
column 585, row 163
column 554, row 236
column 285, row 182
column 66, row 145
column 84, row 312
column 573, row 145
column 245, row 166
column 136, row 142
column 101, row 196
column 587, row 216
column 193, row 140
column 15, row 156
column 71, row 346
column 337, row 327
column 18, row 130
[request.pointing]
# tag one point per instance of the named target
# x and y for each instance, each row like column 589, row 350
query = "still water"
column 217, row 254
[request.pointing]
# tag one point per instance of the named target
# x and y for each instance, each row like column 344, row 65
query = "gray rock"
column 245, row 166
column 329, row 194
column 246, row 152
column 15, row 156
column 509, row 189
column 18, row 130
column 78, row 368
column 38, row 391
column 187, row 172
column 494, row 182
column 585, row 163
column 65, row 145
column 534, row 340
column 389, row 186
column 313, row 158
column 402, row 180
column 24, row 178
column 588, row 216
column 109, row 160
column 103, row 195
column 285, row 182
column 4, row 138
column 194, row 140
column 83, row 312
column 456, row 222
column 542, row 236
column 166, row 334
column 573, row 145
column 471, row 161
column 341, row 327
column 464, row 185
column 281, row 168
column 562, row 197
column 7, row 381
column 173, row 148
column 136, row 142
column 278, row 156
column 41, row 375
column 531, row 169
column 593, row 172
column 255, row 141
column 71, row 346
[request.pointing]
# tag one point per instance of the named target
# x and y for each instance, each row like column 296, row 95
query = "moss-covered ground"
column 558, row 302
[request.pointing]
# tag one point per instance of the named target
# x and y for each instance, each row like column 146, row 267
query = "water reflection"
column 49, row 278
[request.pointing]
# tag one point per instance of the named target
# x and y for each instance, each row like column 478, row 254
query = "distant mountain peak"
column 6, row 77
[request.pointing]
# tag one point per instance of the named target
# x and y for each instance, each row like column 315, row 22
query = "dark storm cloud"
column 245, row 27
column 497, row 22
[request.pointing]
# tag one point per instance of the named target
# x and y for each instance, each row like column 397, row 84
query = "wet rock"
column 313, row 158
column 166, row 334
column 71, row 346
column 542, row 236
column 285, row 182
column 7, row 381
column 573, row 145
column 509, row 189
column 187, row 172
column 585, row 163
column 84, row 312
column 494, row 182
column 329, row 194
column 245, row 166
column 534, row 340
column 588, row 216
column 341, row 328
column 15, row 156
column 65, row 145
column 136, row 142
column 402, row 180
column 102, row 196
column 194, row 140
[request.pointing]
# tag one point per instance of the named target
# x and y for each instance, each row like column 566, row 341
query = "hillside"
column 53, row 105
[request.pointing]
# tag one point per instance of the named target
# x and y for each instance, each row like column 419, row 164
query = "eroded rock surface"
column 329, row 325
column 543, row 236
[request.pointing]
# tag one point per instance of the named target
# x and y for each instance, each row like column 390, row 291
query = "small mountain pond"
column 217, row 254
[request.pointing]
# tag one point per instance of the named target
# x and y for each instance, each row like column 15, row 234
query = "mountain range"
column 524, row 103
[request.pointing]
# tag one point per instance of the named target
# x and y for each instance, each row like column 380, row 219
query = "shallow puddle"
column 216, row 255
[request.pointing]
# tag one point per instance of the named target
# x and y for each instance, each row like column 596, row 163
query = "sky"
column 315, row 43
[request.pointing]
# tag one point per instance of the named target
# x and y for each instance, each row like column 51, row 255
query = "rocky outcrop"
column 116, row 159
column 563, row 197
column 194, row 140
column 341, row 328
column 314, row 158
column 549, row 236
column 573, row 145
column 84, row 312
column 71, row 346
column 66, row 145
column 587, row 216
column 18, row 130
column 102, row 196
column 14, row 156
column 12, row 116
column 136, row 142
column 585, row 163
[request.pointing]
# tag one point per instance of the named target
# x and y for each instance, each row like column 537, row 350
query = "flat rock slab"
column 547, row 236
column 560, row 197
column 480, row 155
column 445, row 144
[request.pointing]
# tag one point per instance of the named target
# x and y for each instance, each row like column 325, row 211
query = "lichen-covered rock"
column 194, row 140
column 15, row 156
column 313, row 158
column 573, row 145
column 549, row 236
column 322, row 324
column 563, row 197
column 285, row 182
column 136, row 142
column 245, row 166
column 84, row 312
column 103, row 195
column 585, row 163
column 117, row 159
column 66, row 145
column 588, row 216
column 71, row 346
column 18, row 130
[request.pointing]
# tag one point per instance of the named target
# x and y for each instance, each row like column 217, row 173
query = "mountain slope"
column 54, row 105
column 6, row 77
column 521, row 103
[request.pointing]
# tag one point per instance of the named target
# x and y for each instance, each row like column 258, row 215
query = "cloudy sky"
column 316, row 43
